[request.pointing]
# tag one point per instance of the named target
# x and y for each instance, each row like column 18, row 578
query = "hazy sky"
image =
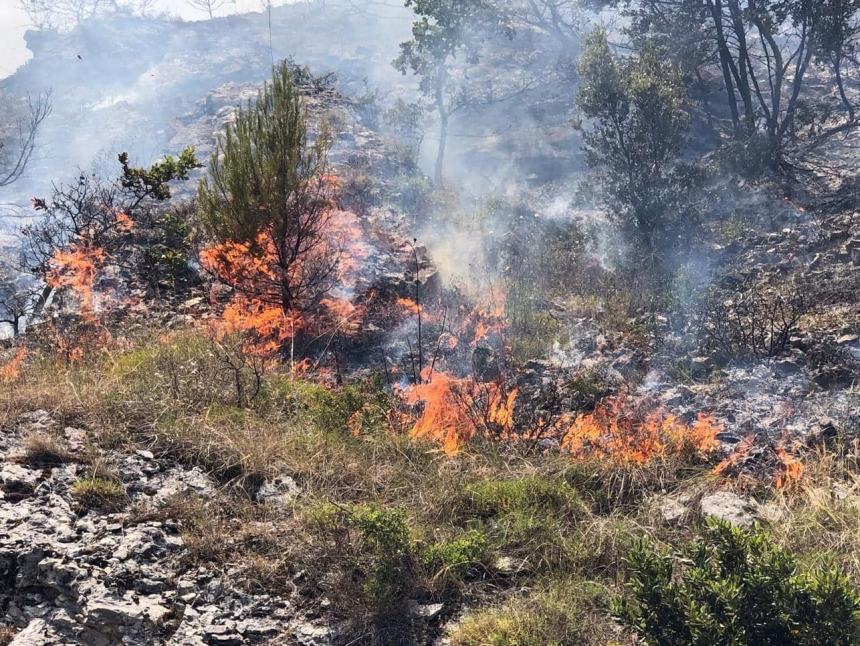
column 13, row 24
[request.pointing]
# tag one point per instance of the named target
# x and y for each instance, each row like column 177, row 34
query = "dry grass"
column 820, row 516
column 563, row 611
column 42, row 449
column 567, row 527
column 7, row 634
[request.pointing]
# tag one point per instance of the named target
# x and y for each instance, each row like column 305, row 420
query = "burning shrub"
column 11, row 370
column 459, row 409
column 270, row 206
column 736, row 586
column 755, row 324
column 269, row 203
column 758, row 460
column 86, row 223
column 630, row 431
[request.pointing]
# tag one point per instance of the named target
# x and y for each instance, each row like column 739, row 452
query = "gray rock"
column 731, row 507
column 278, row 491
column 426, row 611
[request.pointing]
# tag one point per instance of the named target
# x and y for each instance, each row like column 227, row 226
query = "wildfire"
column 792, row 468
column 409, row 305
column 12, row 370
column 484, row 322
column 264, row 309
column 459, row 409
column 621, row 430
column 265, row 326
column 77, row 268
column 123, row 221
column 740, row 452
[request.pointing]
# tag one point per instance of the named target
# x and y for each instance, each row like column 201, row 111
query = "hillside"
column 292, row 372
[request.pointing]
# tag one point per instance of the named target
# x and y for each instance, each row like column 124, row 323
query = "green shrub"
column 459, row 556
column 736, row 587
column 384, row 529
column 386, row 533
column 337, row 410
column 99, row 493
column 529, row 519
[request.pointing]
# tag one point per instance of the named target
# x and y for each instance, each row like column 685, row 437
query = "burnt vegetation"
column 413, row 398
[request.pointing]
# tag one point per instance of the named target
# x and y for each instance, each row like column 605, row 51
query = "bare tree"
column 18, row 137
column 209, row 6
column 19, row 295
column 67, row 14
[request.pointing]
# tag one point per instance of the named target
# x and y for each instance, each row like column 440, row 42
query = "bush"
column 736, row 587
column 757, row 323
column 497, row 497
column 458, row 557
column 529, row 519
column 388, row 574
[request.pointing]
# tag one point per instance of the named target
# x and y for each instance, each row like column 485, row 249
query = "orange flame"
column 12, row 370
column 484, row 322
column 253, row 270
column 739, row 453
column 123, row 221
column 77, row 269
column 458, row 409
column 619, row 430
column 792, row 468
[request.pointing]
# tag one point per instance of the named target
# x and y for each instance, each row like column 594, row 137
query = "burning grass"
column 482, row 524
column 627, row 430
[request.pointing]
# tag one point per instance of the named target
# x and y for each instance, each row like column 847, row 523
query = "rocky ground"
column 73, row 576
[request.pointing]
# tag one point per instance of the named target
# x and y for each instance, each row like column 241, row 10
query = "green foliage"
column 491, row 498
column 154, row 182
column 736, row 587
column 529, row 518
column 99, row 493
column 354, row 408
column 167, row 251
column 459, row 556
column 386, row 533
column 385, row 530
column 268, row 187
column 640, row 122
column 262, row 172
column 445, row 30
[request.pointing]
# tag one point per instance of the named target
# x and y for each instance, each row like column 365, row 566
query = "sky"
column 13, row 24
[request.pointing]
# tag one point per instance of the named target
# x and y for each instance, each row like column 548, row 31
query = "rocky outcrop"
column 71, row 576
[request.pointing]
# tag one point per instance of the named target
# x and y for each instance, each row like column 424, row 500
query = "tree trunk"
column 443, row 144
column 441, row 82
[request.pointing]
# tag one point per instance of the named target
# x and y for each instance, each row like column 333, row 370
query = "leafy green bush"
column 386, row 533
column 736, row 587
column 460, row 556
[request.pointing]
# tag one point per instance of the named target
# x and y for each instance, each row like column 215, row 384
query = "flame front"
column 618, row 430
